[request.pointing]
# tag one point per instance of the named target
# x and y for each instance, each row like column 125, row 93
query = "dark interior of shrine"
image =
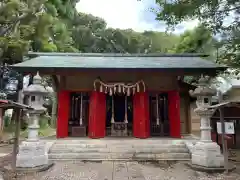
column 159, row 102
column 78, row 128
column 119, row 106
column 75, row 125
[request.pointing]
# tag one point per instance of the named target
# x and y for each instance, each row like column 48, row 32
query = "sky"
column 125, row 14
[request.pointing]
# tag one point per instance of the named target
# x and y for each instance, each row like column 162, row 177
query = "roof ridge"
column 35, row 54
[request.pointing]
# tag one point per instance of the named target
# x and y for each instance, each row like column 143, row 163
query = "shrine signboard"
column 229, row 128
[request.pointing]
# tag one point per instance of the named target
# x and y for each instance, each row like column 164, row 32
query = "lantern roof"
column 36, row 87
column 203, row 88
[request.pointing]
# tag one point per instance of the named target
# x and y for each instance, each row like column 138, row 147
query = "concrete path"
column 123, row 171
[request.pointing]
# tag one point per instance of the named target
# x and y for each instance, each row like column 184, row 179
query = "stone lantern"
column 32, row 152
column 205, row 153
column 204, row 95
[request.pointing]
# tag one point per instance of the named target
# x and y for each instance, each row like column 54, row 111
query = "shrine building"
column 119, row 95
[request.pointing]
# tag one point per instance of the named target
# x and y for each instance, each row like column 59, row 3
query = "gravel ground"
column 121, row 171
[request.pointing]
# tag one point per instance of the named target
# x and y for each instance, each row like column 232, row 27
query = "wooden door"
column 141, row 121
column 97, row 115
column 63, row 114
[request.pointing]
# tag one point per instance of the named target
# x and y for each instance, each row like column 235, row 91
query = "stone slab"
column 207, row 154
column 76, row 170
column 25, row 161
column 32, row 154
column 231, row 167
column 36, row 169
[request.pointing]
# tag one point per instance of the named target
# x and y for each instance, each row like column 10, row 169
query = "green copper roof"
column 115, row 61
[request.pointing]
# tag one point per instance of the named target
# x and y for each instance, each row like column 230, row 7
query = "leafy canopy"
column 220, row 16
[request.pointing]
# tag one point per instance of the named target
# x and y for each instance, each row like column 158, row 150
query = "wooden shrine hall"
column 119, row 95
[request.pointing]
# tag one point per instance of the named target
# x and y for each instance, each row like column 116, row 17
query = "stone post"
column 205, row 153
column 32, row 152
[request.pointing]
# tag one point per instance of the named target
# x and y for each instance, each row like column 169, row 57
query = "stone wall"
column 233, row 94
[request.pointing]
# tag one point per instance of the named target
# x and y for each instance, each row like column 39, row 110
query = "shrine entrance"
column 159, row 120
column 119, row 117
column 79, row 113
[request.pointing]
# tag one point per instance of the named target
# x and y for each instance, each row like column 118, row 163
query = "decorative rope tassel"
column 101, row 88
column 115, row 89
column 128, row 92
column 134, row 90
column 112, row 119
column 138, row 88
column 119, row 89
column 157, row 110
column 81, row 110
column 110, row 92
column 126, row 108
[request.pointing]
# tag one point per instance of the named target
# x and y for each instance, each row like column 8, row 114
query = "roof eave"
column 55, row 70
column 36, row 54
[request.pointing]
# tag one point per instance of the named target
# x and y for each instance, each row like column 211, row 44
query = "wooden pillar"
column 174, row 114
column 17, row 119
column 141, row 118
column 63, row 113
column 97, row 115
column 1, row 122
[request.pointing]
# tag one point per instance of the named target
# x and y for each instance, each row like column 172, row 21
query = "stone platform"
column 119, row 149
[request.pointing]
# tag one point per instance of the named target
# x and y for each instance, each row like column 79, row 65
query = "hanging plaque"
column 229, row 128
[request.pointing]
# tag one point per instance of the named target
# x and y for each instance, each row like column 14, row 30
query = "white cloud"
column 126, row 14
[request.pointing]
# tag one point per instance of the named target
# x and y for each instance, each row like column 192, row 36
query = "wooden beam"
column 16, row 138
column 1, row 122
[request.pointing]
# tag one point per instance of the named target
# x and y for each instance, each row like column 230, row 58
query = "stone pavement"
column 123, row 171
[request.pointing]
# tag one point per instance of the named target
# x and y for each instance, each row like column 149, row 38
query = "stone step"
column 121, row 141
column 119, row 156
column 119, row 150
column 122, row 146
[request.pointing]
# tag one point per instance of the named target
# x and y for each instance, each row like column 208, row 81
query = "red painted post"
column 63, row 113
column 97, row 115
column 141, row 124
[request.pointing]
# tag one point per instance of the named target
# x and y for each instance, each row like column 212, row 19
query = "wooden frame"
column 6, row 104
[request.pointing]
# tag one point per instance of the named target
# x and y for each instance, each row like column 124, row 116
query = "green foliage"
column 56, row 26
column 198, row 40
column 221, row 17
column 7, row 121
column 44, row 121
column 161, row 41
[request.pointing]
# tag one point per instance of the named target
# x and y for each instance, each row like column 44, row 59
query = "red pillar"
column 97, row 115
column 141, row 124
column 174, row 114
column 63, row 113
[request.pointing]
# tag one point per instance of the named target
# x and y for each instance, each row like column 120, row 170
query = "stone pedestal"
column 207, row 154
column 32, row 154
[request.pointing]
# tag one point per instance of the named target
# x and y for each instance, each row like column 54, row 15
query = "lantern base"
column 207, row 154
column 32, row 154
